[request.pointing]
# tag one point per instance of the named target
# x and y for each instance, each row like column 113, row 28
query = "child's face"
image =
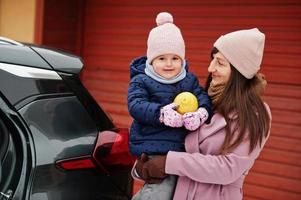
column 167, row 65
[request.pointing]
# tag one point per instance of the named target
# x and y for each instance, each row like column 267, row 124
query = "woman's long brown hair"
column 242, row 97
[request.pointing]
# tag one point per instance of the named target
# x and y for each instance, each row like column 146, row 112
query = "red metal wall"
column 115, row 32
column 62, row 24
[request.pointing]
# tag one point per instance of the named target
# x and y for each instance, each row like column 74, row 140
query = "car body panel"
column 60, row 127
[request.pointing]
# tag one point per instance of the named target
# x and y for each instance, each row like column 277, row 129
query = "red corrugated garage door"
column 116, row 31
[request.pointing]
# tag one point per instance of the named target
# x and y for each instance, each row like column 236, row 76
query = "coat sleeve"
column 214, row 169
column 139, row 105
column 203, row 98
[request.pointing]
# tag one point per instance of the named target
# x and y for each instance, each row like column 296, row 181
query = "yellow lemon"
column 187, row 102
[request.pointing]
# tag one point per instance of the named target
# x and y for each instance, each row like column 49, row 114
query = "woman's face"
column 220, row 69
column 167, row 65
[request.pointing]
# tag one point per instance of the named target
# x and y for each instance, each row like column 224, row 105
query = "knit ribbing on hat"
column 166, row 38
column 243, row 49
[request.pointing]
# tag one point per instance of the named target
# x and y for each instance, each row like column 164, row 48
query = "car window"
column 102, row 120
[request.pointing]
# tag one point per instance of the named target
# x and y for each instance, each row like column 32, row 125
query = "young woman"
column 219, row 155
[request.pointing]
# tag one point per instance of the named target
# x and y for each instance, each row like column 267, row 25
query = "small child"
column 155, row 82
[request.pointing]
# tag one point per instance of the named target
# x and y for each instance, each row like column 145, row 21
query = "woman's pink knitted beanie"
column 166, row 38
column 243, row 49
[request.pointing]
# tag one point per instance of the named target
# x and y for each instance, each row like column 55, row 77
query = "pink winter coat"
column 203, row 174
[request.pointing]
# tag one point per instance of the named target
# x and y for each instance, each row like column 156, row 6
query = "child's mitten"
column 170, row 117
column 194, row 120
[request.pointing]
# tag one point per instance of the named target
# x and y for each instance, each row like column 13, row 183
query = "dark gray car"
column 56, row 143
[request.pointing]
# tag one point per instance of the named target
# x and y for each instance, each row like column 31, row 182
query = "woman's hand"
column 151, row 170
column 155, row 167
column 139, row 167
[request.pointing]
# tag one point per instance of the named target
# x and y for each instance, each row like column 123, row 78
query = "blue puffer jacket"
column 145, row 98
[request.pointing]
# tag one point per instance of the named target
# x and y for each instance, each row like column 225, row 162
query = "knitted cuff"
column 203, row 114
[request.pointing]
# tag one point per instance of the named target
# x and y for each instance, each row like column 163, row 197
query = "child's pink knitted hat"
column 243, row 49
column 166, row 38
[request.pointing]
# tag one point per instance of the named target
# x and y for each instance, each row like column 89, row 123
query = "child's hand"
column 194, row 120
column 170, row 117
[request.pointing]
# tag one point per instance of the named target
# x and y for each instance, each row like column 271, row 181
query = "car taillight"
column 112, row 150
column 111, row 154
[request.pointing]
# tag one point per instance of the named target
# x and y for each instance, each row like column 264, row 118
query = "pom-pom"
column 164, row 17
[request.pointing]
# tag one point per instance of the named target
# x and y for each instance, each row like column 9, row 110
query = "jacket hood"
column 138, row 65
